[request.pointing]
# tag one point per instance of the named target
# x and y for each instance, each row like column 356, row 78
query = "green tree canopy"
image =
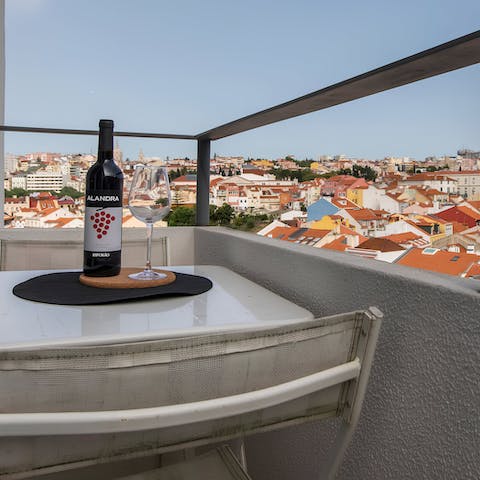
column 303, row 175
column 222, row 215
column 16, row 192
column 181, row 217
column 368, row 173
column 69, row 192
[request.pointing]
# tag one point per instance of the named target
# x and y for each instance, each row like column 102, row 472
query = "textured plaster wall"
column 420, row 418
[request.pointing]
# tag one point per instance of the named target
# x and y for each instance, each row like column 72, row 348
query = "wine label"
column 104, row 198
column 103, row 229
column 103, row 223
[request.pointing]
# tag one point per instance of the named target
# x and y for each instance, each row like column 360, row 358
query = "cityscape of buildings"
column 423, row 214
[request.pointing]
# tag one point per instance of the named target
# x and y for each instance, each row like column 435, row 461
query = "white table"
column 233, row 303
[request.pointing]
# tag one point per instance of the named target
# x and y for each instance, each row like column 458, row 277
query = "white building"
column 11, row 163
column 441, row 181
column 48, row 218
column 468, row 183
column 13, row 206
column 293, row 214
column 271, row 226
column 403, row 226
column 19, row 181
column 76, row 183
column 45, row 181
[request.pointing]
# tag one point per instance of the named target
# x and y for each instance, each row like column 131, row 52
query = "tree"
column 222, row 215
column 176, row 197
column 250, row 223
column 32, row 169
column 368, row 173
column 69, row 192
column 16, row 192
column 304, row 175
column 304, row 163
column 432, row 168
column 181, row 217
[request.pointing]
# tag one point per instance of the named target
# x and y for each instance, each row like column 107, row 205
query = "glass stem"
column 148, row 268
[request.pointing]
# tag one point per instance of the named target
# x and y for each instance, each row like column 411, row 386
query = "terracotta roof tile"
column 469, row 211
column 342, row 202
column 297, row 235
column 475, row 204
column 407, row 238
column 434, row 191
column 348, row 231
column 61, row 221
column 340, row 244
column 48, row 211
column 458, row 227
column 441, row 262
column 473, row 271
column 363, row 214
column 380, row 244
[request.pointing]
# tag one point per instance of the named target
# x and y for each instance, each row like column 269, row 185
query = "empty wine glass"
column 149, row 201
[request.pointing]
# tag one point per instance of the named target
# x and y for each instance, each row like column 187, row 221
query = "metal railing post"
column 203, row 182
column 2, row 110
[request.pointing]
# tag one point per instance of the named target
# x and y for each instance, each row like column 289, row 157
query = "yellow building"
column 329, row 222
column 437, row 228
column 264, row 164
column 355, row 195
column 318, row 168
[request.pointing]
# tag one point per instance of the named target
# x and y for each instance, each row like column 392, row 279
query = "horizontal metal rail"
column 458, row 53
column 114, row 421
column 67, row 131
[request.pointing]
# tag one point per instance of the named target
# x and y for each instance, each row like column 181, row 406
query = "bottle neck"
column 105, row 144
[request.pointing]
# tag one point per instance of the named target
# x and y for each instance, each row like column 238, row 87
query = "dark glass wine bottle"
column 103, row 210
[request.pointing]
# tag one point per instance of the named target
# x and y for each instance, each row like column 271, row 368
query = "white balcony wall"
column 420, row 416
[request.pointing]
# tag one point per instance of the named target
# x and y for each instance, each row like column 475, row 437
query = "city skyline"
column 155, row 72
column 140, row 156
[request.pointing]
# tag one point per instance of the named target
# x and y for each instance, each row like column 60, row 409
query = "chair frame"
column 353, row 375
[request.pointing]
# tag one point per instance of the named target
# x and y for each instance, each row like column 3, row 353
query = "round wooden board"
column 122, row 281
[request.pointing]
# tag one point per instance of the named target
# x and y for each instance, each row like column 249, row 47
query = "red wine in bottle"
column 103, row 210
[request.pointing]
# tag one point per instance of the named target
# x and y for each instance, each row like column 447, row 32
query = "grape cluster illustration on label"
column 101, row 223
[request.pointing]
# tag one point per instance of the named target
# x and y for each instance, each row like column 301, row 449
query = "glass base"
column 147, row 275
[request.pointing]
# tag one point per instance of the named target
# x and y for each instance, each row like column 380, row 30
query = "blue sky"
column 187, row 66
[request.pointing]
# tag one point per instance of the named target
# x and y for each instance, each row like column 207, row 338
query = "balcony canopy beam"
column 461, row 52
column 67, row 131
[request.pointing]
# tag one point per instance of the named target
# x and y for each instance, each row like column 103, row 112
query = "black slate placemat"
column 65, row 289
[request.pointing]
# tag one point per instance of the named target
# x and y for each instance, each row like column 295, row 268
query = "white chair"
column 217, row 464
column 56, row 249
column 73, row 407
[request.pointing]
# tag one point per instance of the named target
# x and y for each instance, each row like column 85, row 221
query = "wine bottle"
column 103, row 210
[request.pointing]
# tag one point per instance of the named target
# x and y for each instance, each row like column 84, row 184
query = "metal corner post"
column 2, row 109
column 203, row 182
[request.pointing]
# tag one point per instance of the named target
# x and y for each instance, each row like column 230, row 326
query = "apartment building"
column 45, row 181
column 468, row 183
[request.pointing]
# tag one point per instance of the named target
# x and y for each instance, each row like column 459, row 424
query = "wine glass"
column 149, row 201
